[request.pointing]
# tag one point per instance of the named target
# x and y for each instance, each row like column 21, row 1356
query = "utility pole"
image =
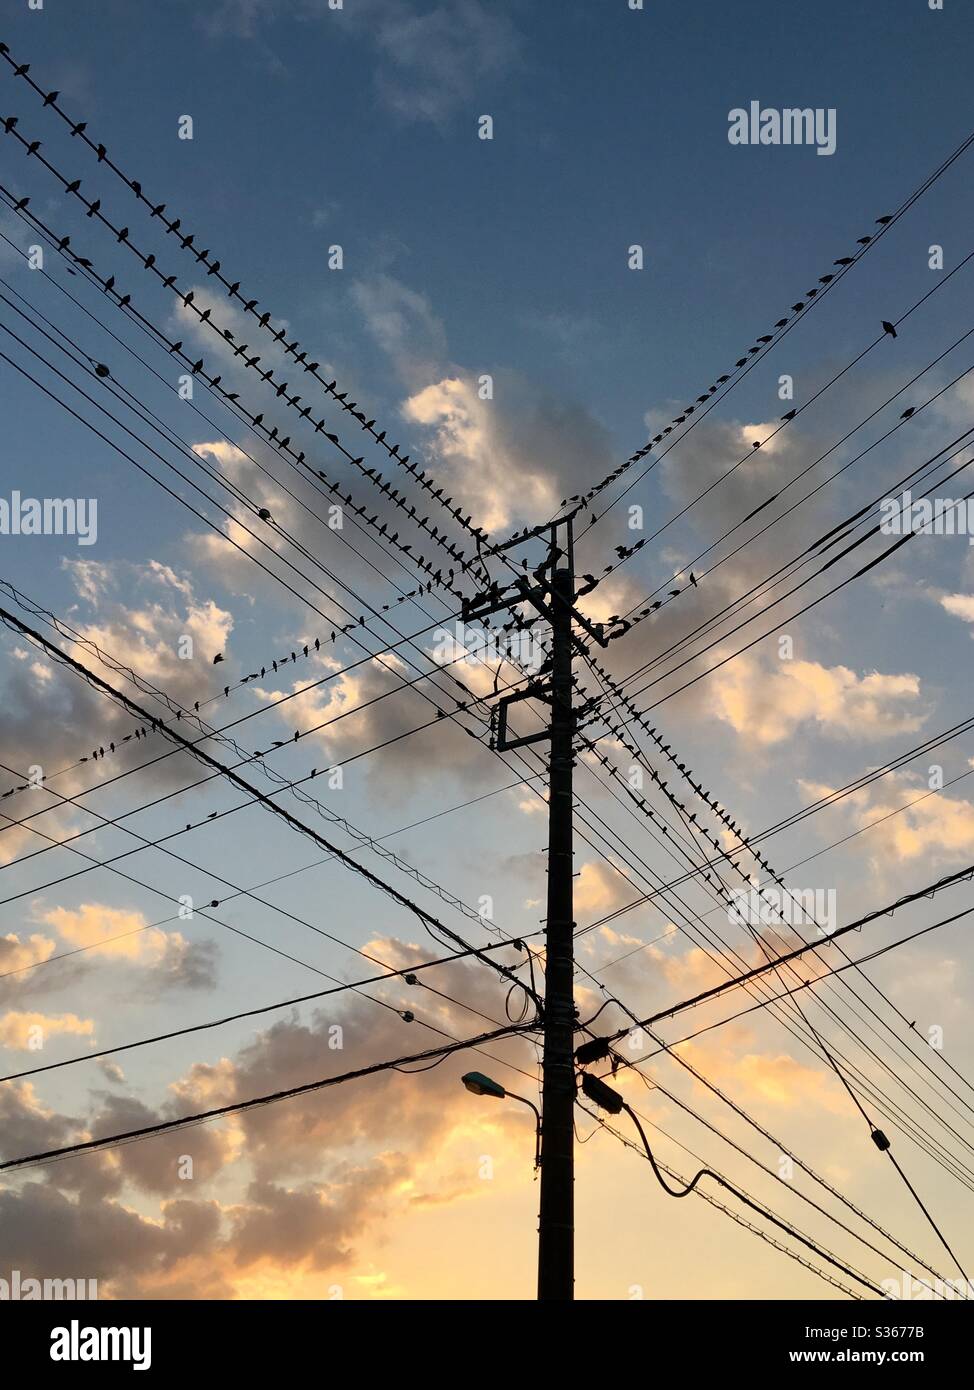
column 556, row 1228
column 553, row 595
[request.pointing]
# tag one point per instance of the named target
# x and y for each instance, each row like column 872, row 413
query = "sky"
column 519, row 314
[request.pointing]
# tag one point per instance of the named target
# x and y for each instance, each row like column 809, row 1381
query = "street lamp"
column 480, row 1085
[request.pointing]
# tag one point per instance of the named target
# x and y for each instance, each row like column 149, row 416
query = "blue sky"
column 359, row 128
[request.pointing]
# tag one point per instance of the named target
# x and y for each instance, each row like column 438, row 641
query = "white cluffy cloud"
column 766, row 705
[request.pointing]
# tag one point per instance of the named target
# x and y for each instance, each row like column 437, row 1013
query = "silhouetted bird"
column 888, row 328
column 218, row 658
column 908, row 412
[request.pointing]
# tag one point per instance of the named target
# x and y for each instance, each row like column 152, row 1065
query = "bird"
column 218, row 658
column 888, row 328
column 263, row 513
column 843, row 260
column 693, row 579
column 908, row 412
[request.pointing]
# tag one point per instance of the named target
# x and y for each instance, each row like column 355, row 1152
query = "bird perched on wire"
column 888, row 328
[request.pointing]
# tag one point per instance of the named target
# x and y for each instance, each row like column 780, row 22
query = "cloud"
column 462, row 431
column 781, row 1082
column 403, row 324
column 279, row 1197
column 766, row 703
column 937, row 828
column 600, row 890
column 127, row 936
column 512, row 457
column 959, row 605
column 17, row 956
column 434, row 60
column 22, row 1030
column 145, row 615
column 361, row 718
column 427, row 60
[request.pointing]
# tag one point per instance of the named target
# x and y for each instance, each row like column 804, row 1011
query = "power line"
column 646, row 608
column 203, row 316
column 760, row 349
column 704, row 995
column 430, row 922
column 735, row 1216
column 236, row 1107
column 354, row 985
column 185, row 241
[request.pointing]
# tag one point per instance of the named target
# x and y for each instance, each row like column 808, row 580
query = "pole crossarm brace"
column 534, row 691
